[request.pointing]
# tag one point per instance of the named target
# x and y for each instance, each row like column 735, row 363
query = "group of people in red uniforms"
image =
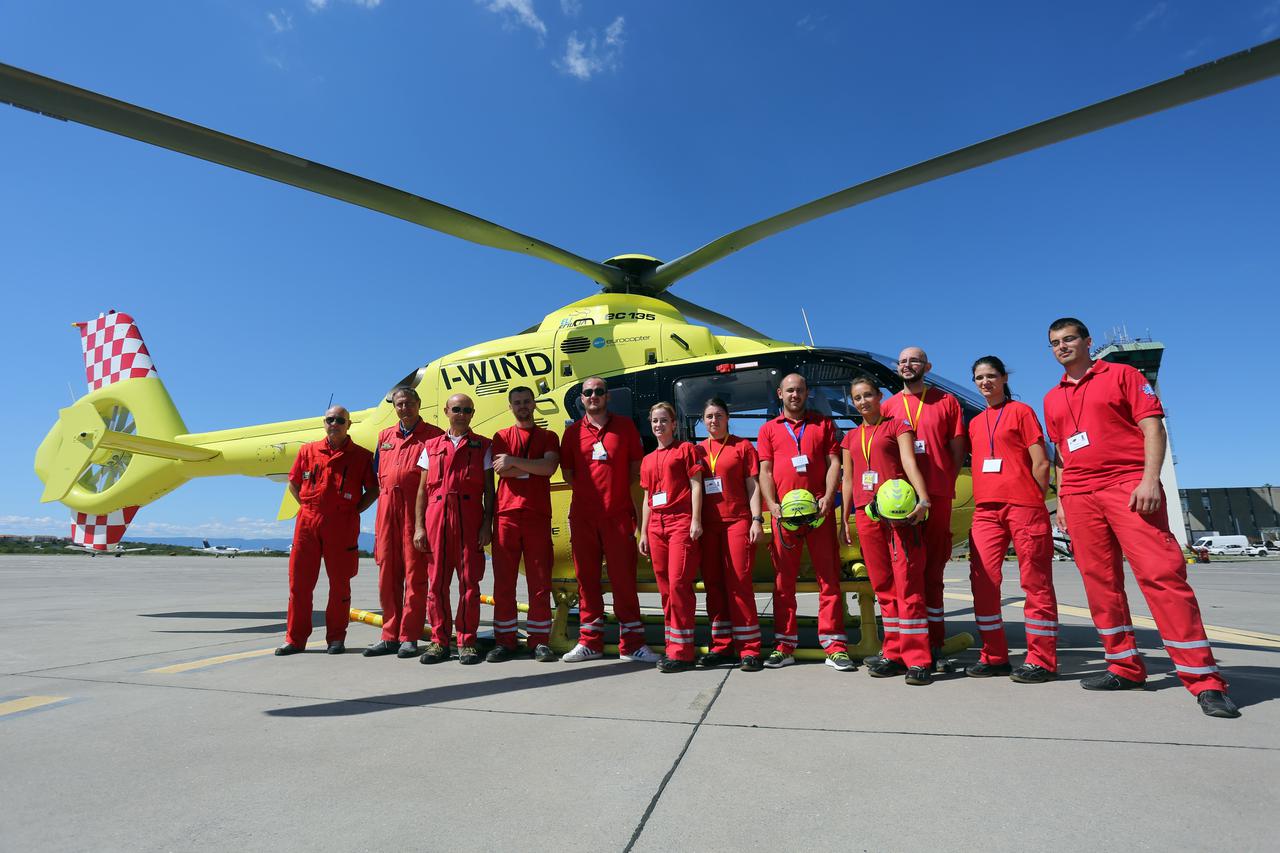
column 701, row 515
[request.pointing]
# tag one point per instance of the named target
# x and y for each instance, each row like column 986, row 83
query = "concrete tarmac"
column 141, row 709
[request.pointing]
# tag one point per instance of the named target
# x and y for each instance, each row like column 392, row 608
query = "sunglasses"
column 338, row 421
column 594, row 392
column 461, row 410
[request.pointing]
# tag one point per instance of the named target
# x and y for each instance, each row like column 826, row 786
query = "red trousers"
column 402, row 569
column 824, row 552
column 1103, row 532
column 335, row 539
column 894, row 556
column 453, row 526
column 611, row 540
column 994, row 527
column 936, row 534
column 675, row 566
column 727, row 558
column 517, row 533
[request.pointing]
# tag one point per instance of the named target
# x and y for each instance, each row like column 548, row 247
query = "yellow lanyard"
column 712, row 457
column 868, row 443
column 906, row 407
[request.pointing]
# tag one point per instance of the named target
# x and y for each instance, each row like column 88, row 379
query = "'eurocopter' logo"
column 496, row 369
column 598, row 343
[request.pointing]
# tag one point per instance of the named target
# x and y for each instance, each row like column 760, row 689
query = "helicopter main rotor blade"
column 711, row 318
column 1231, row 72
column 70, row 103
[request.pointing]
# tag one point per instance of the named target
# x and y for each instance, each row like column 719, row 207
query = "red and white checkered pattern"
column 113, row 350
column 101, row 531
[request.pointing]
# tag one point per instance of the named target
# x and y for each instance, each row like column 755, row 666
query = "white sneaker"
column 581, row 653
column 644, row 654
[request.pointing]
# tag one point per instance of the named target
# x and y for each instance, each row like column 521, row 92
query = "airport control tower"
column 1145, row 355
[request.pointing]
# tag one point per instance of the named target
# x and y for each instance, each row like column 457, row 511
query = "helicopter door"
column 751, row 395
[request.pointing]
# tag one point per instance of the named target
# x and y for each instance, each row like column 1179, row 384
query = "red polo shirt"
column 1005, row 433
column 667, row 471
column 530, row 492
column 601, row 488
column 732, row 462
column 875, row 448
column 936, row 422
column 781, row 439
column 331, row 480
column 1106, row 404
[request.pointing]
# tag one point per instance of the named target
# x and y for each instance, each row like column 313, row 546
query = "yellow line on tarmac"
column 26, row 703
column 220, row 659
column 1236, row 636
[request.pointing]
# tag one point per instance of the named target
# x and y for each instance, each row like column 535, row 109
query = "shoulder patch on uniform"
column 473, row 442
column 386, row 445
column 1148, row 390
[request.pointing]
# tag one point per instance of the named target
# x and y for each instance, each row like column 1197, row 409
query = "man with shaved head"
column 332, row 481
column 938, row 422
column 455, row 514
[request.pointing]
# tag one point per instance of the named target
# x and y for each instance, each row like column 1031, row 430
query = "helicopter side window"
column 620, row 403
column 412, row 381
column 752, row 396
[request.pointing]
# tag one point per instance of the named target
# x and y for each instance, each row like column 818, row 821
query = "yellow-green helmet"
column 894, row 501
column 799, row 509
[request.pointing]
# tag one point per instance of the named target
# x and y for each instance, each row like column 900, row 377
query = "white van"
column 1229, row 545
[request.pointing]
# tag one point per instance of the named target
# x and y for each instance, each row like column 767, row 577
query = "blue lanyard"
column 991, row 430
column 796, row 438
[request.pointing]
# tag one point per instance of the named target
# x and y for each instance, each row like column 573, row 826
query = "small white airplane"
column 218, row 550
column 114, row 550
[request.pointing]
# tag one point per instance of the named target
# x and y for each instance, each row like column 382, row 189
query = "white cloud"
column 588, row 56
column 316, row 5
column 281, row 21
column 571, row 8
column 809, row 23
column 368, row 4
column 44, row 525
column 518, row 12
column 241, row 528
column 1156, row 12
column 321, row 5
column 1271, row 14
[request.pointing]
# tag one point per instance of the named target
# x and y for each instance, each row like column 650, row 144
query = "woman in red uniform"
column 1010, row 476
column 731, row 527
column 879, row 450
column 670, row 526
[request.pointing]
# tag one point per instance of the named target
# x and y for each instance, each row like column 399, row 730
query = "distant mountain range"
column 366, row 542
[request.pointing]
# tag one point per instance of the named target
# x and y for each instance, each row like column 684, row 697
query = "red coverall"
column 893, row 554
column 727, row 554
column 665, row 475
column 523, row 527
column 1098, row 478
column 402, row 569
column 935, row 419
column 779, row 442
column 454, row 514
column 330, row 485
column 602, row 526
column 1010, row 507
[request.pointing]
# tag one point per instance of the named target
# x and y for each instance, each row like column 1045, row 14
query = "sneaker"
column 435, row 653
column 581, row 653
column 840, row 661
column 382, row 647
column 886, row 668
column 288, row 649
column 982, row 669
column 751, row 663
column 873, row 660
column 1111, row 681
column 918, row 676
column 337, row 648
column 644, row 654
column 674, row 665
column 469, row 655
column 499, row 654
column 777, row 660
column 713, row 659
column 1215, row 703
column 1029, row 673
column 543, row 654
column 408, row 649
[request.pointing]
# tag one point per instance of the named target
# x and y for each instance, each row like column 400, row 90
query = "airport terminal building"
column 1244, row 510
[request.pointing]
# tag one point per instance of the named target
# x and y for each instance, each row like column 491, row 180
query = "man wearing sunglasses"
column 455, row 514
column 332, row 481
column 600, row 456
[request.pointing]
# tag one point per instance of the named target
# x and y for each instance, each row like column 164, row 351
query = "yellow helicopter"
column 124, row 444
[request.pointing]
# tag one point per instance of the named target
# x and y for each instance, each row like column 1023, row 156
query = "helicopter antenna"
column 330, row 406
column 806, row 326
column 71, row 391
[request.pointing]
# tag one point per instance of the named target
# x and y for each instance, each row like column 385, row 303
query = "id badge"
column 658, row 499
column 1078, row 441
column 920, row 446
column 991, row 466
column 869, row 480
column 712, row 486
column 598, row 452
column 523, row 475
column 800, row 463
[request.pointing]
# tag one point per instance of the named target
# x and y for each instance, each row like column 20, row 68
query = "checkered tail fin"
column 100, row 532
column 113, row 350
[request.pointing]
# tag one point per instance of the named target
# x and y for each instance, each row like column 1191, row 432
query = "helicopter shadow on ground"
column 277, row 627
column 564, row 674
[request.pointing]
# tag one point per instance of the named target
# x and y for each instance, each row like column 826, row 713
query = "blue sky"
column 608, row 127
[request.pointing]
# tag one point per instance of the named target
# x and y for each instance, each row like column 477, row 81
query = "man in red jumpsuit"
column 600, row 456
column 938, row 422
column 455, row 515
column 332, row 481
column 1108, row 426
column 402, row 568
column 524, row 458
column 798, row 450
